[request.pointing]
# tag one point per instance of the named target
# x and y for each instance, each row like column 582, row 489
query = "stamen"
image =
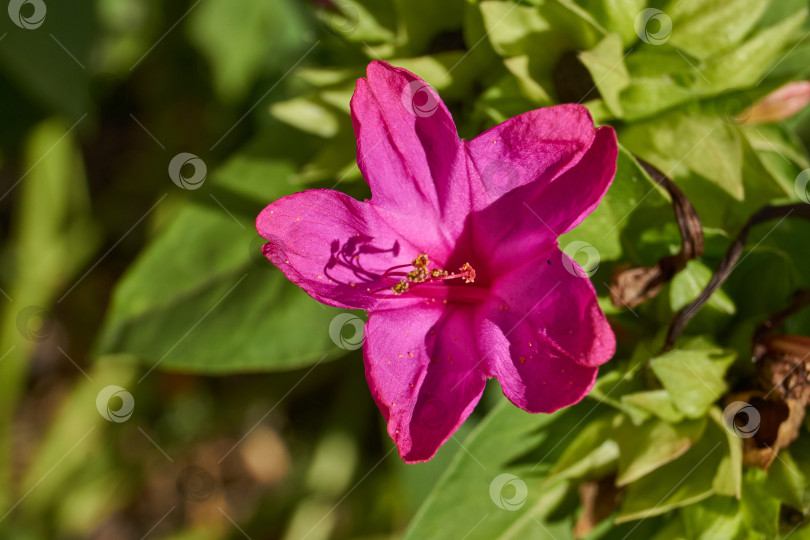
column 421, row 274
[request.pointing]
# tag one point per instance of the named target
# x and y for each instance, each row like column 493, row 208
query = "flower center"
column 422, row 275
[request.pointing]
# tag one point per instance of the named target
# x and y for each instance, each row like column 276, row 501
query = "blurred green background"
column 234, row 413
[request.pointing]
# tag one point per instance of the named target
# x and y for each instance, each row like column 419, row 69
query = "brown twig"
column 767, row 213
column 633, row 286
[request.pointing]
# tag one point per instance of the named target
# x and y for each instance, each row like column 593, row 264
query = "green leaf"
column 592, row 451
column 703, row 144
column 703, row 28
column 307, row 114
column 691, row 478
column 787, row 478
column 655, row 402
column 605, row 62
column 202, row 298
column 508, row 441
column 694, row 377
column 617, row 16
column 633, row 204
column 744, row 66
column 50, row 63
column 690, row 282
column 653, row 444
column 243, row 39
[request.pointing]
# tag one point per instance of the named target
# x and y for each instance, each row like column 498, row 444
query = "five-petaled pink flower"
column 455, row 256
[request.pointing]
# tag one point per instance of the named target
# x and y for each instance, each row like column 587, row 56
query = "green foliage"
column 190, row 292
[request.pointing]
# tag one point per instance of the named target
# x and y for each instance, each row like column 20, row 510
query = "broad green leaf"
column 605, row 62
column 512, row 442
column 202, row 298
column 689, row 479
column 307, row 114
column 687, row 285
column 694, row 378
column 744, row 66
column 644, row 448
column 243, row 39
column 655, row 402
column 633, row 204
column 593, row 449
column 617, row 16
column 703, row 144
column 703, row 28
column 716, row 517
column 787, row 478
column 760, row 510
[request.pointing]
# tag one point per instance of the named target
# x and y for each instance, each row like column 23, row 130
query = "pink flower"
column 455, row 256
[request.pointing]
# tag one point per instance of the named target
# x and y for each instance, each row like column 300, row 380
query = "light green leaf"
column 653, row 444
column 508, row 441
column 241, row 39
column 655, row 402
column 307, row 114
column 689, row 479
column 617, row 16
column 694, row 378
column 605, row 62
column 690, row 282
column 202, row 298
column 703, row 28
column 593, row 449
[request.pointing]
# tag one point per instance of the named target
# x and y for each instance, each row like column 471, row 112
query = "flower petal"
column 407, row 145
column 531, row 148
column 537, row 218
column 334, row 247
column 421, row 367
column 543, row 334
